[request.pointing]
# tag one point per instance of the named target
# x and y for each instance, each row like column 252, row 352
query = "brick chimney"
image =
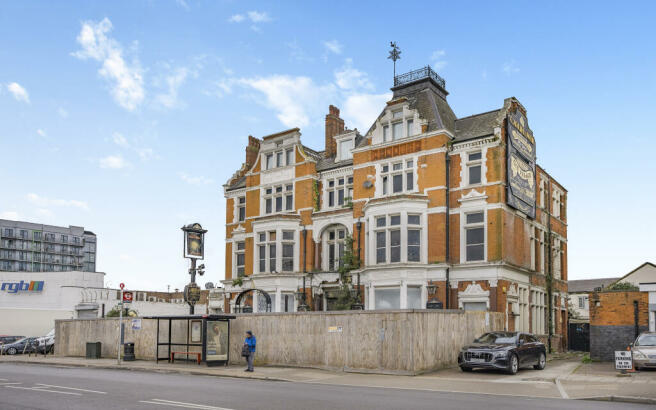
column 252, row 149
column 334, row 126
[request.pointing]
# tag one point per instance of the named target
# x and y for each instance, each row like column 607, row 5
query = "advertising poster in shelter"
column 216, row 340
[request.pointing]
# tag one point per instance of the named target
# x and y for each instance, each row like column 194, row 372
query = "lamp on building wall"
column 433, row 303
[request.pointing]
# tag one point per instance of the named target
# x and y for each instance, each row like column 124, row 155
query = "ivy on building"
column 347, row 295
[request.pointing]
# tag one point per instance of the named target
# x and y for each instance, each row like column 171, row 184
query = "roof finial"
column 394, row 54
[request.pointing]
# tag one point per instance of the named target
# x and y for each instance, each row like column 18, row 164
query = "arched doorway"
column 267, row 299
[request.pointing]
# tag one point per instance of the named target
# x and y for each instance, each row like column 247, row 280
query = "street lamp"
column 301, row 296
column 194, row 248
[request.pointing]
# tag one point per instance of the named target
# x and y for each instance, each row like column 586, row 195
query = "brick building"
column 440, row 208
column 616, row 319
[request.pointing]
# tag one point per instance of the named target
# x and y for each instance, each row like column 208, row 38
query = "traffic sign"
column 127, row 297
column 122, row 285
column 623, row 360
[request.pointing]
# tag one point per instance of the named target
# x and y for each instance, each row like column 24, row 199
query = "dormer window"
column 396, row 125
column 345, row 147
column 279, row 158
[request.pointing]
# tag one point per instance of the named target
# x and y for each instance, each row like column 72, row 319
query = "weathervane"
column 394, row 54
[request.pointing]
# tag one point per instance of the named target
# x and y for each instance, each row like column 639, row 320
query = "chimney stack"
column 252, row 149
column 334, row 126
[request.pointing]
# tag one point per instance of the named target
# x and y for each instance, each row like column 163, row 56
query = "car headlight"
column 639, row 355
column 501, row 354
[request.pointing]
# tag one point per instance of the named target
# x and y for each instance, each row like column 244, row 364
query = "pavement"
column 564, row 378
column 59, row 386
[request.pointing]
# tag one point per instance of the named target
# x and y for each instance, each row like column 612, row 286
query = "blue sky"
column 127, row 117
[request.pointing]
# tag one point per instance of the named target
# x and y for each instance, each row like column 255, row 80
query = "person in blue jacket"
column 250, row 342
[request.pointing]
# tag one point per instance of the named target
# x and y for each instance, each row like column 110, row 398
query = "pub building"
column 443, row 212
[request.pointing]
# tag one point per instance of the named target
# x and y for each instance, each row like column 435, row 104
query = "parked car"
column 47, row 342
column 644, row 351
column 9, row 339
column 24, row 345
column 508, row 351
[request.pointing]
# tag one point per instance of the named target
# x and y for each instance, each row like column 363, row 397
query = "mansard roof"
column 478, row 125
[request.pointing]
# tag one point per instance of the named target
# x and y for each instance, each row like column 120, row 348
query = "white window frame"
column 337, row 243
column 239, row 205
column 277, row 229
column 239, row 252
column 463, row 234
column 286, row 189
column 403, row 227
column 270, row 159
column 387, row 172
column 341, row 156
column 474, row 163
column 346, row 188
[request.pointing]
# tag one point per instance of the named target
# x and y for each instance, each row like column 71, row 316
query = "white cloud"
column 295, row 99
column 44, row 213
column 333, row 46
column 13, row 215
column 182, row 3
column 117, row 161
column 41, row 132
column 349, row 78
column 195, row 180
column 145, row 153
column 19, row 93
column 113, row 162
column 46, row 202
column 510, row 67
column 361, row 110
column 120, row 140
column 62, row 112
column 258, row 17
column 173, row 82
column 255, row 17
column 126, row 79
column 438, row 59
column 237, row 18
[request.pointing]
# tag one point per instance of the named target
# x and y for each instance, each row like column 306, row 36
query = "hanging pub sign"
column 194, row 238
column 192, row 293
column 521, row 163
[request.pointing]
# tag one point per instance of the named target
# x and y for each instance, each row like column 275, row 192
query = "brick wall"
column 612, row 321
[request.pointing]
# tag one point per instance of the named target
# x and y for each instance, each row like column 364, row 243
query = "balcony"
column 416, row 75
column 8, row 235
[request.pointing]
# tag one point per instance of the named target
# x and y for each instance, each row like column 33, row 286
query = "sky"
column 127, row 117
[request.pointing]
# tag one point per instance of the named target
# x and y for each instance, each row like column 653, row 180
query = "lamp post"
column 358, row 305
column 194, row 249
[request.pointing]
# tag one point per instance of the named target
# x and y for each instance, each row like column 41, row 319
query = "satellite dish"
column 367, row 184
column 209, row 285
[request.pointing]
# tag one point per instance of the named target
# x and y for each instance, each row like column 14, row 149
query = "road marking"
column 49, row 391
column 70, row 388
column 8, row 383
column 561, row 390
column 162, row 402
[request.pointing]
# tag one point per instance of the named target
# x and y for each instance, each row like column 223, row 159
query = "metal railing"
column 424, row 72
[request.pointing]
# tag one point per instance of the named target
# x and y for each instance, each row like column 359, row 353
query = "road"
column 26, row 386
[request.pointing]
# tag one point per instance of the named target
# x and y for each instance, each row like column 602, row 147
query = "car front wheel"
column 542, row 362
column 11, row 351
column 513, row 364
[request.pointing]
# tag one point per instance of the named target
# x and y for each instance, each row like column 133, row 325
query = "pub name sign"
column 521, row 163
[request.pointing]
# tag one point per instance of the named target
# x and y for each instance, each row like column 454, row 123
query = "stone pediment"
column 474, row 289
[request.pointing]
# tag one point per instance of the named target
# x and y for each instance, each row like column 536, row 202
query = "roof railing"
column 415, row 75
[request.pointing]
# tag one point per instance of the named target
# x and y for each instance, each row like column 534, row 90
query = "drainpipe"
column 549, row 255
column 447, row 229
column 636, row 323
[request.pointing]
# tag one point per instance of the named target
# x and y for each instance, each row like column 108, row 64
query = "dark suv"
column 504, row 351
column 9, row 339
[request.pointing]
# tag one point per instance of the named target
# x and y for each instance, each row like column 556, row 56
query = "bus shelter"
column 199, row 338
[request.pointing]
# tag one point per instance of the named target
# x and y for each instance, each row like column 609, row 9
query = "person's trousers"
column 249, row 359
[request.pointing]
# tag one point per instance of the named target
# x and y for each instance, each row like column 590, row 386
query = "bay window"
column 287, row 251
column 397, row 242
column 278, row 198
column 339, row 191
column 398, row 177
column 387, row 298
column 270, row 245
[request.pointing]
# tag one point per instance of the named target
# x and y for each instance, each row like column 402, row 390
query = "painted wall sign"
column 521, row 163
column 23, row 286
